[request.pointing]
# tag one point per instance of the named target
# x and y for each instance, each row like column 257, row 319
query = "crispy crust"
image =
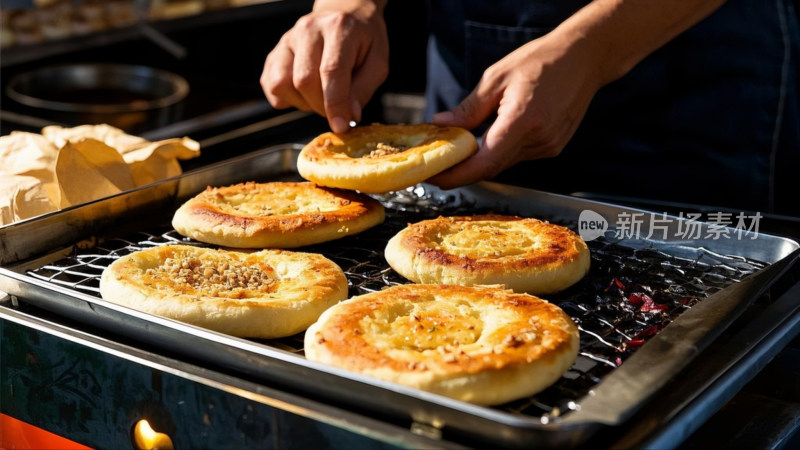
column 291, row 289
column 525, row 255
column 275, row 215
column 481, row 344
column 382, row 158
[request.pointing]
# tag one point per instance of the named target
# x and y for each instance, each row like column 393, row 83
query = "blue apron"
column 711, row 118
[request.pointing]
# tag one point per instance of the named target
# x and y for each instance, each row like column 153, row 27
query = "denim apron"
column 711, row 118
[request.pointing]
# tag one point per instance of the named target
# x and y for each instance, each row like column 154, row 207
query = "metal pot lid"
column 98, row 88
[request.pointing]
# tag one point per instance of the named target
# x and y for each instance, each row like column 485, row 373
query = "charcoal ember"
column 676, row 290
column 652, row 307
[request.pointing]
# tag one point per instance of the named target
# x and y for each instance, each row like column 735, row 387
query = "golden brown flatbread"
column 275, row 215
column 481, row 344
column 525, row 255
column 265, row 294
column 381, row 158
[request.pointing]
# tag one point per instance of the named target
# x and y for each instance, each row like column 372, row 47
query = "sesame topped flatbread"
column 265, row 294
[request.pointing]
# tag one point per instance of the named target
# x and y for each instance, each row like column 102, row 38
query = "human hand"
column 540, row 92
column 330, row 62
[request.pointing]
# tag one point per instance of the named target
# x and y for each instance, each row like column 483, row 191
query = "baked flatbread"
column 265, row 294
column 381, row 158
column 525, row 255
column 275, row 215
column 482, row 344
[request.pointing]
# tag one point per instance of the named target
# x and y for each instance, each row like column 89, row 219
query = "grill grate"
column 627, row 297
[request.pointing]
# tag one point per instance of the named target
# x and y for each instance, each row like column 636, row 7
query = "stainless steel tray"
column 627, row 354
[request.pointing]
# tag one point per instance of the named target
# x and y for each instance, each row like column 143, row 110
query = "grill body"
column 629, row 354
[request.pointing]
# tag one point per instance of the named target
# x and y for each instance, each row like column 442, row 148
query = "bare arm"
column 541, row 90
column 331, row 61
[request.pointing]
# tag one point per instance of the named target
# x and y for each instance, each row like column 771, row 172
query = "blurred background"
column 165, row 68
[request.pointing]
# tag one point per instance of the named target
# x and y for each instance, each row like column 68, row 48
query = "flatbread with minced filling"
column 264, row 294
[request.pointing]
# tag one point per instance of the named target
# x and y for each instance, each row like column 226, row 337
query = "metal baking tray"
column 649, row 305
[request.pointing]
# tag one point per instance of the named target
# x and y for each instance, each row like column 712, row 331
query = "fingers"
column 277, row 80
column 331, row 62
column 540, row 99
column 305, row 70
column 370, row 75
column 481, row 166
column 475, row 108
column 335, row 71
column 496, row 153
column 311, row 69
column 471, row 112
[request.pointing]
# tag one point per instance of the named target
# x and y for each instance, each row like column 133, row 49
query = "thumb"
column 473, row 110
column 499, row 150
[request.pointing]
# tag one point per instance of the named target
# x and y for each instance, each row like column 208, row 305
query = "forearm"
column 614, row 35
column 350, row 5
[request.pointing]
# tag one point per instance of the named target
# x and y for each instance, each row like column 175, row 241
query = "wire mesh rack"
column 628, row 295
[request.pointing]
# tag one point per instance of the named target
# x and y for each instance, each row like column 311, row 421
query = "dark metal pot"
column 133, row 98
